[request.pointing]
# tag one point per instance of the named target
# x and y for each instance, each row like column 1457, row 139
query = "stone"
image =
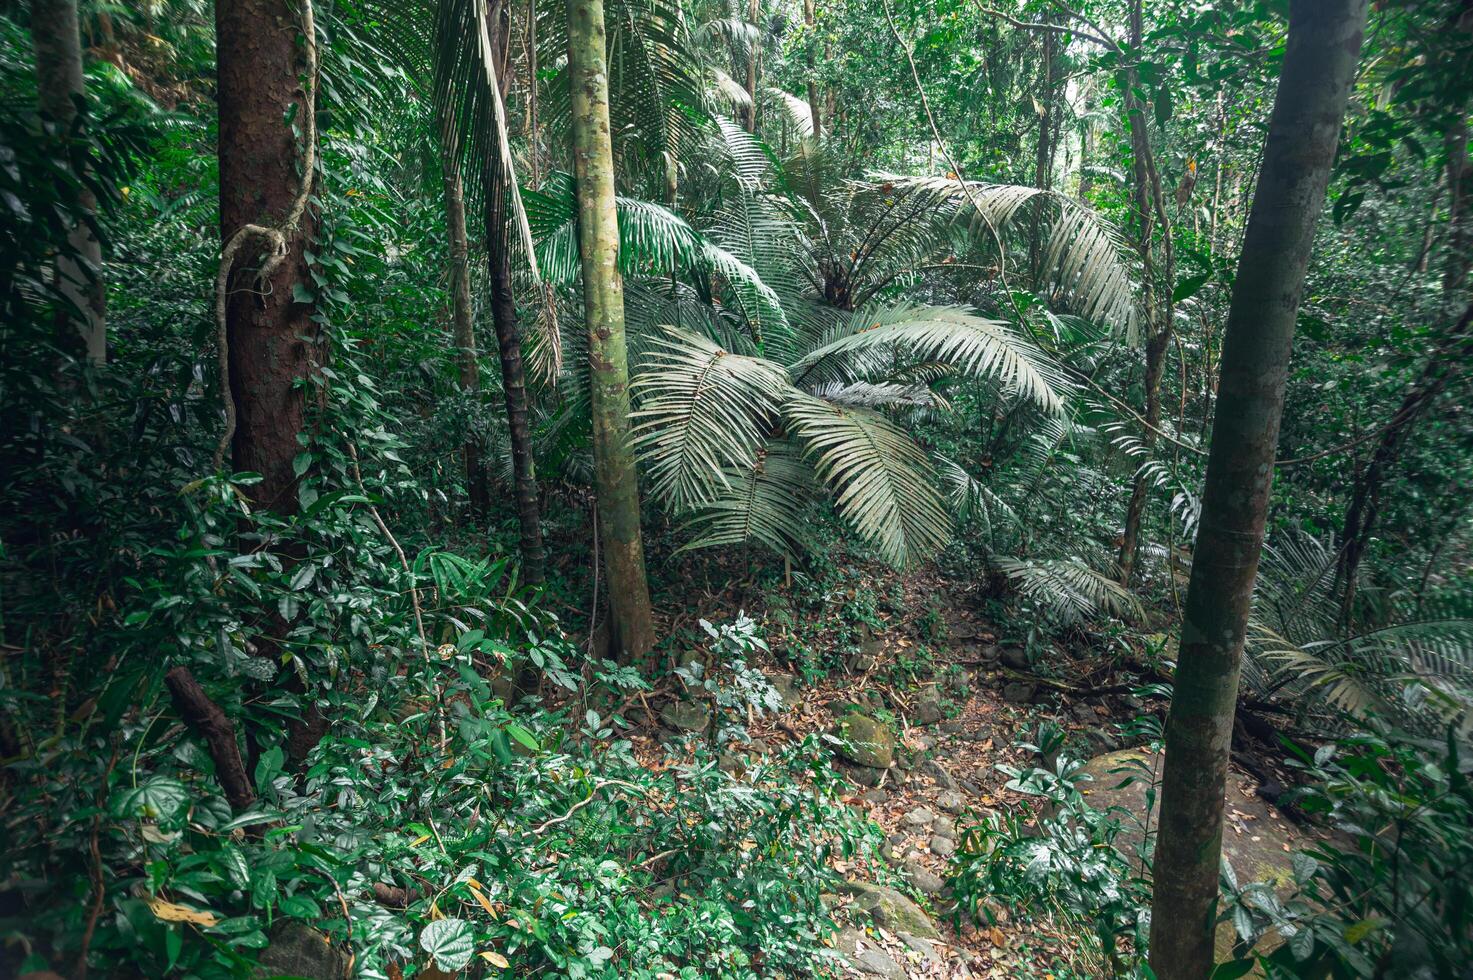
column 867, row 742
column 968, row 786
column 944, row 828
column 1014, row 658
column 686, row 716
column 943, row 846
column 924, row 947
column 296, row 949
column 927, row 713
column 868, row 653
column 786, row 686
column 918, row 819
column 923, row 879
column 891, row 909
column 1257, row 840
column 951, row 801
column 874, row 797
column 874, row 963
column 1019, row 692
column 939, row 773
column 953, row 726
column 862, row 775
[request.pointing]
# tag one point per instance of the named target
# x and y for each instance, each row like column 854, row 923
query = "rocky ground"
column 923, row 760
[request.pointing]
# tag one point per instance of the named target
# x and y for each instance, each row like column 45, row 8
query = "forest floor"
column 946, row 775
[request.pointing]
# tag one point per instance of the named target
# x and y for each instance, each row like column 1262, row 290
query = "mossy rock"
column 686, row 716
column 867, row 742
column 891, row 909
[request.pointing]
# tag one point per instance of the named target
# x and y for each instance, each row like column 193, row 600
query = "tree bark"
column 1448, row 356
column 206, row 720
column 753, row 12
column 504, row 319
column 1318, row 70
column 632, row 626
column 270, row 334
column 810, row 20
column 466, row 354
column 59, row 84
column 1150, row 206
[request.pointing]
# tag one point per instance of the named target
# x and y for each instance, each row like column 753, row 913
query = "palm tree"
column 770, row 368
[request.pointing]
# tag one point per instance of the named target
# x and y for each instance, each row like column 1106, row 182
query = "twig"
column 600, row 784
column 277, row 237
column 1097, row 38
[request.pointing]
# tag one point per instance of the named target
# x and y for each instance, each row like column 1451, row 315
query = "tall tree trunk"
column 1043, row 166
column 1150, row 206
column 59, row 83
column 1449, row 355
column 269, row 332
column 504, row 318
column 632, row 626
column 810, row 20
column 753, row 12
column 467, row 356
column 534, row 153
column 1318, row 70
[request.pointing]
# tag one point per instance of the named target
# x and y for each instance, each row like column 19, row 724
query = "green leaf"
column 450, row 941
column 1189, row 287
column 160, row 799
column 522, row 735
column 1232, row 969
column 301, row 294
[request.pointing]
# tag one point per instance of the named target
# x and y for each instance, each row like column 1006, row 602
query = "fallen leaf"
column 169, row 912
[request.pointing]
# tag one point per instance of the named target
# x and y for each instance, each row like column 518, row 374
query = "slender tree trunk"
column 504, row 318
column 534, row 153
column 269, row 332
column 810, row 20
column 1044, row 158
column 1448, row 356
column 467, row 356
column 1318, row 70
column 632, row 627
column 1150, row 205
column 59, row 84
column 753, row 12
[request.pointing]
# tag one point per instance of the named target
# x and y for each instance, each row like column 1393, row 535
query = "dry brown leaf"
column 169, row 912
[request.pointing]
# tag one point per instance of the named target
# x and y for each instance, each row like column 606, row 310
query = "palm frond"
column 881, row 480
column 768, row 501
column 1070, row 589
column 703, row 413
column 973, row 345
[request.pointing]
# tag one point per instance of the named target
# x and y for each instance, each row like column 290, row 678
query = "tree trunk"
column 466, row 355
column 1318, row 70
column 59, row 83
column 632, row 628
column 753, row 12
column 504, row 318
column 1150, row 206
column 269, row 332
column 810, row 20
column 1447, row 356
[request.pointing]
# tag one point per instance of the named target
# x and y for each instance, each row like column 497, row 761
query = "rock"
column 1104, row 740
column 891, row 909
column 686, row 716
column 951, row 801
column 867, row 742
column 939, row 773
column 862, row 775
column 927, row 713
column 297, row 950
column 968, row 786
column 786, row 686
column 874, row 797
column 876, row 964
column 1019, row 692
column 1014, row 658
column 953, row 726
column 1256, row 839
column 943, row 846
column 925, row 881
column 868, row 653
column 918, row 819
column 944, row 828
column 924, row 947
